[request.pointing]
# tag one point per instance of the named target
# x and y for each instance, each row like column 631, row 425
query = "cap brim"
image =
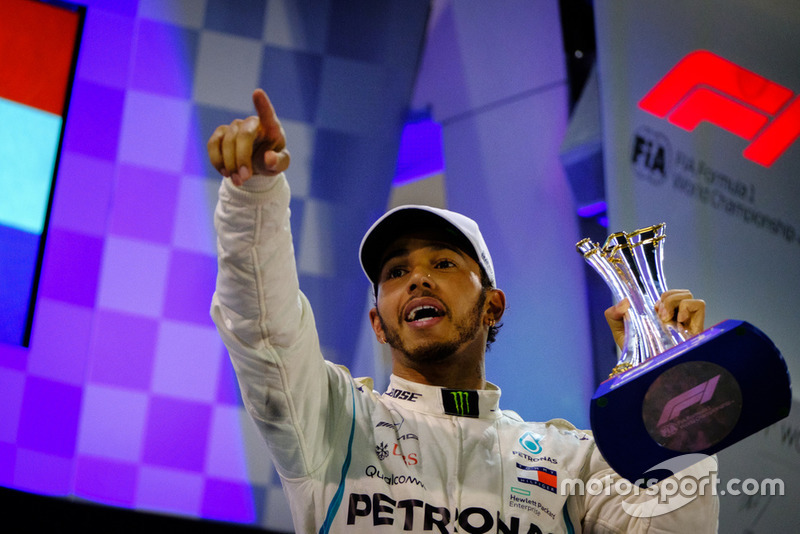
column 400, row 222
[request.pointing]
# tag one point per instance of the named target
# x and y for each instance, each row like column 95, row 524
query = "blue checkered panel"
column 126, row 395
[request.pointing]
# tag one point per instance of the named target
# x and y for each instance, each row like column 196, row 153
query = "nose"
column 420, row 278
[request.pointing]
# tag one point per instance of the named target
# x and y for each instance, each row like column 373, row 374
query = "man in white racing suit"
column 434, row 453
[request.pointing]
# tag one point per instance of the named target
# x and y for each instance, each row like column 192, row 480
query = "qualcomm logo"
column 530, row 443
column 706, row 87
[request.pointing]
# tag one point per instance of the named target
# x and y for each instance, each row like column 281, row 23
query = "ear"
column 377, row 327
column 495, row 305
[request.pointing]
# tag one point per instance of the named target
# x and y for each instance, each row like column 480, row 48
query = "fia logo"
column 706, row 87
column 650, row 155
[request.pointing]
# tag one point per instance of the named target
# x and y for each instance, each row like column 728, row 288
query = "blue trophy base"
column 699, row 397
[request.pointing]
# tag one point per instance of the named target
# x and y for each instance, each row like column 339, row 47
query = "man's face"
column 430, row 301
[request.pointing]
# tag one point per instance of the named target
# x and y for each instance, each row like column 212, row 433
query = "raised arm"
column 258, row 308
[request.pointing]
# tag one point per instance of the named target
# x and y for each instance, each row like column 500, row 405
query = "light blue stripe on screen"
column 28, row 147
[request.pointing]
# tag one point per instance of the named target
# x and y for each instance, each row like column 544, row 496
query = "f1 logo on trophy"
column 669, row 395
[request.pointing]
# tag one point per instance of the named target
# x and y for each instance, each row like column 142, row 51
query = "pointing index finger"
column 270, row 125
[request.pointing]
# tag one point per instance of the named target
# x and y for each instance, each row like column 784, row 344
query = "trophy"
column 671, row 394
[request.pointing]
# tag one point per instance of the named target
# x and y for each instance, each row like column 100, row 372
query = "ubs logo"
column 382, row 451
column 706, row 87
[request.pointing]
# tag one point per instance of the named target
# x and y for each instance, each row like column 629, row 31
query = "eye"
column 394, row 272
column 445, row 264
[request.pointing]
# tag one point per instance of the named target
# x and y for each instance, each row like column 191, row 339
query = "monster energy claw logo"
column 460, row 402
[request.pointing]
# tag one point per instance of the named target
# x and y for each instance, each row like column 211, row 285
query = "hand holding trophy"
column 673, row 394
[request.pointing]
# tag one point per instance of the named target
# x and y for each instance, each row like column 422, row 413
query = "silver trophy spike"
column 631, row 265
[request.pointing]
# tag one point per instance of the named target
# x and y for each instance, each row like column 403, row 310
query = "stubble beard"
column 435, row 351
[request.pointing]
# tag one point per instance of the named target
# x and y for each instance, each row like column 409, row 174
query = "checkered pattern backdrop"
column 126, row 396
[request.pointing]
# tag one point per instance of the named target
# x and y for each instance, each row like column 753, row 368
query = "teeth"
column 412, row 316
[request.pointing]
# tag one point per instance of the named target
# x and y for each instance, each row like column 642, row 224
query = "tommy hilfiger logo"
column 460, row 402
column 706, row 87
column 538, row 476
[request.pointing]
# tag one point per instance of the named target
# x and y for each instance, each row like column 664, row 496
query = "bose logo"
column 403, row 395
column 706, row 87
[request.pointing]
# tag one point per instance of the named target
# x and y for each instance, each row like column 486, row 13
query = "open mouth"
column 426, row 310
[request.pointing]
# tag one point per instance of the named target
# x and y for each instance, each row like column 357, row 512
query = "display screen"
column 38, row 50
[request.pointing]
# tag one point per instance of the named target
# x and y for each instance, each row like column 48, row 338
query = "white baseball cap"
column 405, row 219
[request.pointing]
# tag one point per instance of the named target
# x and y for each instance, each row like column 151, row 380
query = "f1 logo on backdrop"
column 706, row 87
